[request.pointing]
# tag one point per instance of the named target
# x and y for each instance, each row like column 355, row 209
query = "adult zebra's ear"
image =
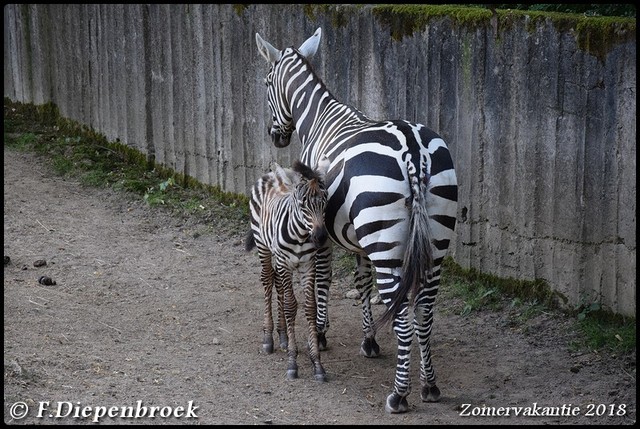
column 265, row 48
column 310, row 46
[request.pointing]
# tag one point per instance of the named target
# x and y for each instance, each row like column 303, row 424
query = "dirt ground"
column 151, row 310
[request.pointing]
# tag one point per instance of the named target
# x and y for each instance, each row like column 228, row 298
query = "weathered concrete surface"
column 543, row 133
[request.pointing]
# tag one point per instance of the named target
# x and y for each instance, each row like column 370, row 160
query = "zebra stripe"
column 392, row 200
column 287, row 227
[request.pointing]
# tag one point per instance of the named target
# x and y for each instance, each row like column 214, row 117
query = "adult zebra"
column 392, row 193
column 287, row 226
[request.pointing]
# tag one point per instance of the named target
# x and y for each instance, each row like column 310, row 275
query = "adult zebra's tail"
column 418, row 256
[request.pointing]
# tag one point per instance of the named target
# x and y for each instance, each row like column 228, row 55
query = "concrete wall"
column 543, row 133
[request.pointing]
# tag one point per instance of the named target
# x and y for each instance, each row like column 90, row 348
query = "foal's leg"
column 267, row 277
column 308, row 283
column 284, row 283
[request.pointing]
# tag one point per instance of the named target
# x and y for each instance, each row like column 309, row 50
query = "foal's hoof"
column 396, row 404
column 370, row 348
column 430, row 394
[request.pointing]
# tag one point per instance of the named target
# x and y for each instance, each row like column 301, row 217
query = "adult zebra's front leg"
column 363, row 280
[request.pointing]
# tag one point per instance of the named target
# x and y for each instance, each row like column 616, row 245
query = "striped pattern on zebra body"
column 287, row 226
column 392, row 200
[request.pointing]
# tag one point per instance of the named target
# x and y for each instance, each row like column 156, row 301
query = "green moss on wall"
column 595, row 35
column 537, row 289
column 405, row 20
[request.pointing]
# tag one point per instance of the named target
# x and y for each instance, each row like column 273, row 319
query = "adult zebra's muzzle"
column 280, row 140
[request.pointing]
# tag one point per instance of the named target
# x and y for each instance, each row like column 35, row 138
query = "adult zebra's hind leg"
column 403, row 328
column 423, row 322
column 324, row 257
column 363, row 280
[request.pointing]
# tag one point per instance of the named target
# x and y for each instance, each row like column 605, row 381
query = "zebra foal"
column 287, row 226
column 392, row 201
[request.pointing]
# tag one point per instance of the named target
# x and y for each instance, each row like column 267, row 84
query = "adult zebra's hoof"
column 396, row 404
column 322, row 341
column 430, row 394
column 370, row 348
column 320, row 377
column 292, row 374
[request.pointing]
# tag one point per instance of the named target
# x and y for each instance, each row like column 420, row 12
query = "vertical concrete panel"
column 131, row 60
column 100, row 78
column 18, row 47
column 177, row 60
column 187, row 69
column 154, row 51
column 215, row 96
column 36, row 55
column 11, row 75
column 201, row 63
column 625, row 286
column 92, row 58
column 225, row 96
column 166, row 85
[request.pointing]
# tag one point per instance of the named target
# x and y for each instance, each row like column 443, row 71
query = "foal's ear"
column 323, row 166
column 285, row 177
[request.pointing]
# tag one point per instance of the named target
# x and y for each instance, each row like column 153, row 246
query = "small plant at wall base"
column 604, row 330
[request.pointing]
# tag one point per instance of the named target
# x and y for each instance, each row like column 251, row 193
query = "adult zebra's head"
column 277, row 81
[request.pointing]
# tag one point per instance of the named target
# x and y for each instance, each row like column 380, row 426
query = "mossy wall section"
column 539, row 111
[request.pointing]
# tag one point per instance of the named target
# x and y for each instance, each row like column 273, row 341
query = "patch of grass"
column 604, row 330
column 598, row 329
column 21, row 142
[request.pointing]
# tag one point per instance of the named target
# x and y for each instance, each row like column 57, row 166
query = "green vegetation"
column 627, row 10
column 77, row 152
column 602, row 329
column 524, row 300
